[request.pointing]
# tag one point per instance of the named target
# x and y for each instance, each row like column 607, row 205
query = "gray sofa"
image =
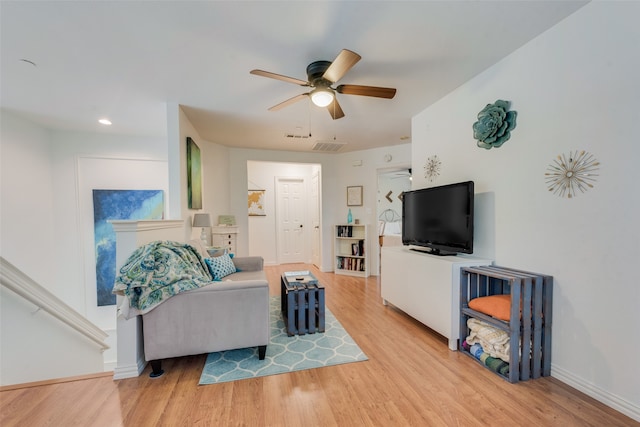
column 226, row 315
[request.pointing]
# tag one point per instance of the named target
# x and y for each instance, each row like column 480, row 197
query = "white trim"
column 129, row 371
column 129, row 226
column 616, row 402
column 130, row 235
column 15, row 280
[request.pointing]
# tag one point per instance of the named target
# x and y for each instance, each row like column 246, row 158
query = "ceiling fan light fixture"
column 322, row 97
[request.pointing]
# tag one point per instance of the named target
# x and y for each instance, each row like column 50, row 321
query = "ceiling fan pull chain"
column 334, row 121
column 309, row 116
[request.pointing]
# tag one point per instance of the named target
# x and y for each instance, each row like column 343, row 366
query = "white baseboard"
column 129, row 371
column 616, row 402
column 110, row 356
column 110, row 366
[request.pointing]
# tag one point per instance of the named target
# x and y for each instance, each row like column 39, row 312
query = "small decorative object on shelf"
column 226, row 220
column 432, row 168
column 494, row 124
column 349, row 217
column 571, row 172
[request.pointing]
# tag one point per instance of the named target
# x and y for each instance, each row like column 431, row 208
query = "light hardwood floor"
column 410, row 379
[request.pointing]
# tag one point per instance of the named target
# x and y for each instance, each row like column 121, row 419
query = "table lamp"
column 202, row 220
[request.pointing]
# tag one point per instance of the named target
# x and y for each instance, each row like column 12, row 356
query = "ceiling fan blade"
column 339, row 67
column 335, row 110
column 279, row 77
column 378, row 92
column 289, row 102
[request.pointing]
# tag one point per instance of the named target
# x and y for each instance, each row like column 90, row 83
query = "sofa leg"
column 262, row 352
column 156, row 368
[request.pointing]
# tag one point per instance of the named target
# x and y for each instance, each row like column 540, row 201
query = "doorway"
column 289, row 229
column 392, row 182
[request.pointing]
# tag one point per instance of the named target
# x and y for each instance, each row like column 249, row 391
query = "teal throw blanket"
column 157, row 271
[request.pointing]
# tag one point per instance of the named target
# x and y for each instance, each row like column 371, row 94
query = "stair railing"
column 15, row 280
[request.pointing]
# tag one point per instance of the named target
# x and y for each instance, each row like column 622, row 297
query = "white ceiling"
column 126, row 60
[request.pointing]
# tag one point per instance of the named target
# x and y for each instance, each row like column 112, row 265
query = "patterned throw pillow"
column 220, row 266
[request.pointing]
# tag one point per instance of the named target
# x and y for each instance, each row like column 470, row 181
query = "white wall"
column 49, row 174
column 80, row 163
column 36, row 346
column 575, row 87
column 29, row 337
column 27, row 197
column 215, row 175
column 115, row 154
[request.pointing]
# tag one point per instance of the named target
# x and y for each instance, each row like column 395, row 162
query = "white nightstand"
column 224, row 237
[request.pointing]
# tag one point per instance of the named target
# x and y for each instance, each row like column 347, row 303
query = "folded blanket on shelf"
column 476, row 350
column 493, row 363
column 157, row 271
column 497, row 365
column 494, row 341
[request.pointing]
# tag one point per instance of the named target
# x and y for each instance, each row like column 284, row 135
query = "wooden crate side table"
column 302, row 303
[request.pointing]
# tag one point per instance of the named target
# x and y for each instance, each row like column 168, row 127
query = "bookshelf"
column 350, row 250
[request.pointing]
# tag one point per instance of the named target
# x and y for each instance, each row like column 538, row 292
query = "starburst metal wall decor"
column 432, row 168
column 570, row 173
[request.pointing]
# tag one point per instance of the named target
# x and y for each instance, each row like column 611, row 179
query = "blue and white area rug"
column 284, row 354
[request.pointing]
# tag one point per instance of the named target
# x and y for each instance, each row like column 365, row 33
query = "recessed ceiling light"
column 105, row 122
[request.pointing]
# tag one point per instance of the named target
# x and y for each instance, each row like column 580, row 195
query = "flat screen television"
column 439, row 220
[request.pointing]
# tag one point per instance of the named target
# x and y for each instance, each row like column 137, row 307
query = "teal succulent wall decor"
column 494, row 124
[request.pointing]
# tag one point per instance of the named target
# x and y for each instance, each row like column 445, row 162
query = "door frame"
column 316, row 209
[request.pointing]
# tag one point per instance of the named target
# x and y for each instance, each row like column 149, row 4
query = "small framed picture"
column 354, row 195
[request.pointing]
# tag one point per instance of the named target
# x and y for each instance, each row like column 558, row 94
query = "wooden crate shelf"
column 529, row 327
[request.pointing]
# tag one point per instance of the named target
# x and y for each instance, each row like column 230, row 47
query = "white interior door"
column 290, row 205
column 315, row 219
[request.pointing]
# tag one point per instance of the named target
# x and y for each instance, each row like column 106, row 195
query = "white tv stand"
column 426, row 287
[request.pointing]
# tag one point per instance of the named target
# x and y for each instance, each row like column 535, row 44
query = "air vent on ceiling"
column 330, row 146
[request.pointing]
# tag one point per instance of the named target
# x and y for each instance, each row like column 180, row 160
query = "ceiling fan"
column 320, row 76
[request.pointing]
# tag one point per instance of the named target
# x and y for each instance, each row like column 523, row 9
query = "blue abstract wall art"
column 118, row 204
